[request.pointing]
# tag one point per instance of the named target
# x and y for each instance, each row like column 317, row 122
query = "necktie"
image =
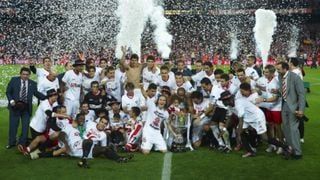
column 284, row 89
column 24, row 92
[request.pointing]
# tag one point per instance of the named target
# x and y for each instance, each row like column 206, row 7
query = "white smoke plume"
column 266, row 22
column 133, row 17
column 293, row 43
column 162, row 37
column 234, row 46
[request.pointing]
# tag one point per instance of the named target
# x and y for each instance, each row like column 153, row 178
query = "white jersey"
column 120, row 76
column 187, row 86
column 251, row 114
column 232, row 88
column 118, row 124
column 202, row 107
column 273, row 84
column 235, row 81
column 113, row 88
column 39, row 121
column 262, row 81
column 44, row 84
column 123, row 116
column 62, row 123
column 41, row 73
column 252, row 73
column 97, row 75
column 155, row 116
column 74, row 141
column 202, row 74
column 94, row 134
column 90, row 117
column 73, row 83
column 248, row 111
column 215, row 95
column 86, row 83
column 252, row 98
column 171, row 82
column 149, row 77
column 137, row 100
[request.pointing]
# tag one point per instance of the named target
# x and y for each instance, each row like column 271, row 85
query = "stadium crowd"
column 211, row 45
column 92, row 110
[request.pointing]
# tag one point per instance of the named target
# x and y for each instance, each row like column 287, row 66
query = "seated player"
column 118, row 133
column 95, row 144
column 202, row 109
column 50, row 139
column 134, row 130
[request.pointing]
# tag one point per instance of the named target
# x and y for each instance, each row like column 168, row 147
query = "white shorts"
column 77, row 151
column 259, row 126
column 72, row 107
column 152, row 137
column 198, row 128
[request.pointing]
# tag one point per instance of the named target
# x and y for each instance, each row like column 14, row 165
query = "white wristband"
column 202, row 116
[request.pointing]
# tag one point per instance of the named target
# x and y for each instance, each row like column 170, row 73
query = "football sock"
column 86, row 147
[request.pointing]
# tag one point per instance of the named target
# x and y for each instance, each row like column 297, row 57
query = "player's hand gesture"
column 124, row 49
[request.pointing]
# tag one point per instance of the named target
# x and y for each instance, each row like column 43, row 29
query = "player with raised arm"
column 151, row 135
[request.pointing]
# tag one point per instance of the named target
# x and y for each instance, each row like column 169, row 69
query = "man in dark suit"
column 20, row 91
column 293, row 106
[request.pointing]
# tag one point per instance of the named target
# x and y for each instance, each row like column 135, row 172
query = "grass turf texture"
column 199, row 164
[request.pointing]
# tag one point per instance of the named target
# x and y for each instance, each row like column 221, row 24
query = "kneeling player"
column 134, row 130
column 151, row 135
column 89, row 147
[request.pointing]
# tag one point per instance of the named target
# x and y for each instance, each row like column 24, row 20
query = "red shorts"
column 50, row 143
column 274, row 117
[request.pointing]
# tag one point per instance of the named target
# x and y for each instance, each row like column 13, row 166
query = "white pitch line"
column 166, row 168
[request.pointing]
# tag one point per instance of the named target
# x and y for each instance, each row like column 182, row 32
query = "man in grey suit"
column 20, row 91
column 293, row 106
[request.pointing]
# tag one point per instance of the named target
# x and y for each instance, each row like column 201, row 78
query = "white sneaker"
column 271, row 148
column 280, row 150
column 302, row 140
column 35, row 154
